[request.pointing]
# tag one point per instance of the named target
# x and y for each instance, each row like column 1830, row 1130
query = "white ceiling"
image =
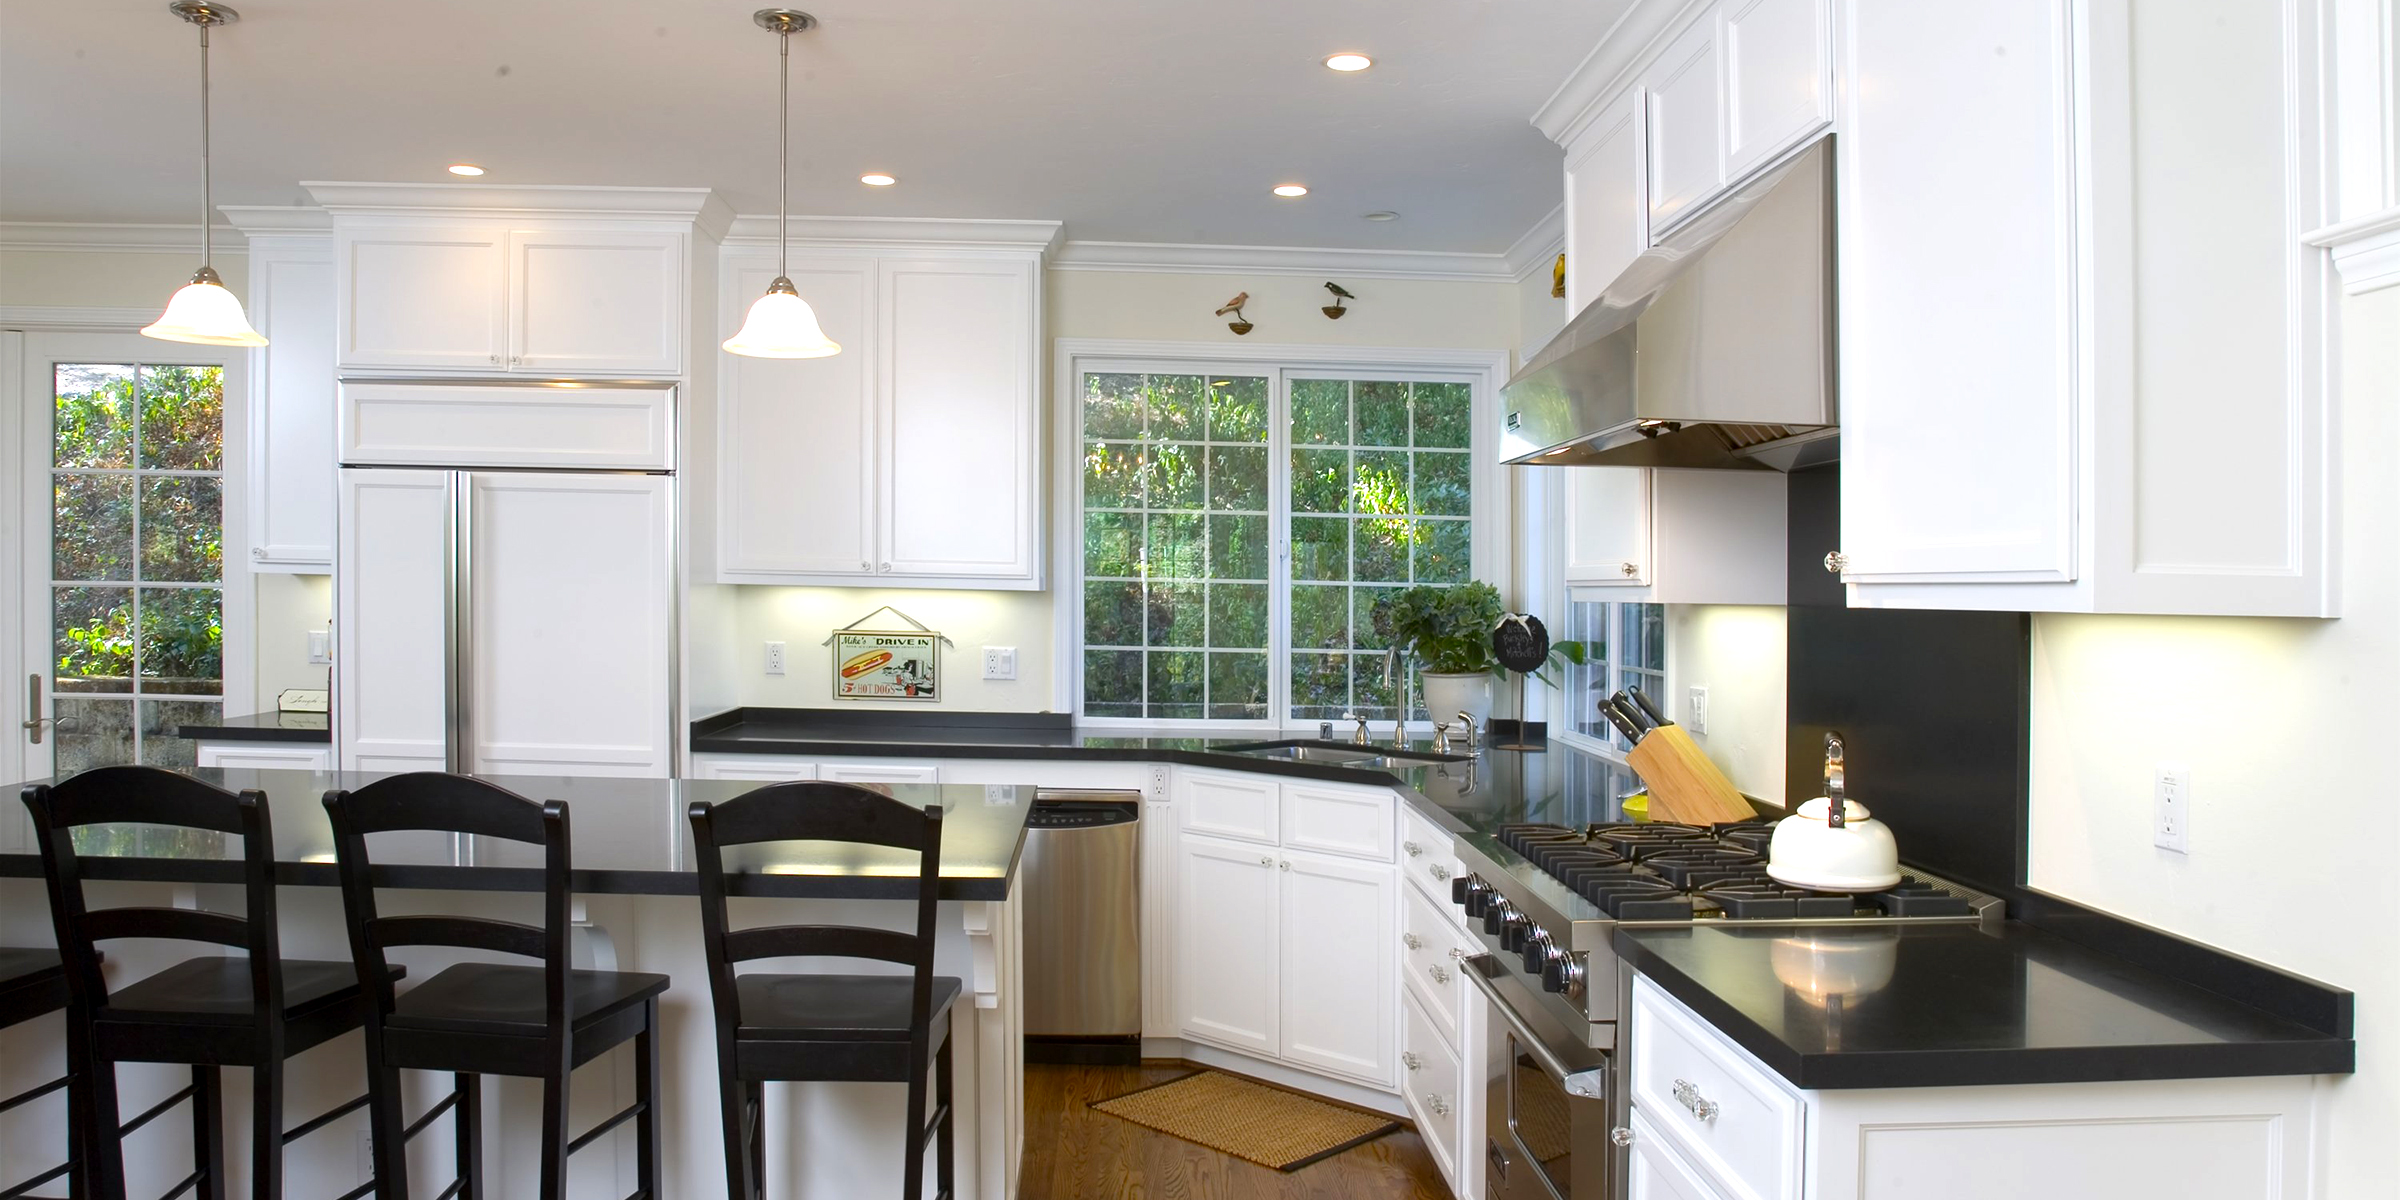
column 1132, row 120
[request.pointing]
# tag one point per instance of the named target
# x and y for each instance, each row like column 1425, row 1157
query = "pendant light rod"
column 781, row 324
column 784, row 22
column 204, row 14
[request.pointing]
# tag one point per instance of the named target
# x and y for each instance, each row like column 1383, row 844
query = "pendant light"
column 781, row 324
column 203, row 311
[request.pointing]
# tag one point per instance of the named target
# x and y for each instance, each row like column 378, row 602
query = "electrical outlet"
column 1697, row 703
column 999, row 662
column 774, row 658
column 2172, row 793
column 320, row 647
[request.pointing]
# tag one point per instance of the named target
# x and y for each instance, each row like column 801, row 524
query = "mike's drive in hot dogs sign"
column 884, row 666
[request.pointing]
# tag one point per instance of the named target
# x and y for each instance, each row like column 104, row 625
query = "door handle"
column 34, row 720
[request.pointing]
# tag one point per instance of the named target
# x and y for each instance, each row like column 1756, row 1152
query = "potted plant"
column 1447, row 631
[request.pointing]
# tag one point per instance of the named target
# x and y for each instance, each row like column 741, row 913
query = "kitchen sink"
column 1344, row 754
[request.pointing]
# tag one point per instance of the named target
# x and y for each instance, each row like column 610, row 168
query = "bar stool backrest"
column 154, row 796
column 430, row 801
column 815, row 811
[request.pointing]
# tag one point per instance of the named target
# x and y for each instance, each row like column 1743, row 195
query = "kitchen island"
column 636, row 910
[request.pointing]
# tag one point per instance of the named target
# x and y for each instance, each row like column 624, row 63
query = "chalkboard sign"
column 1521, row 643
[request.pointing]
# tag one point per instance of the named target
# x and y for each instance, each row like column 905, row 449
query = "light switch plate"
column 999, row 662
column 320, row 647
column 1697, row 704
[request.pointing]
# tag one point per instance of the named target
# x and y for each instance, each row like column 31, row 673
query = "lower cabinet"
column 1288, row 954
column 765, row 768
column 845, row 771
column 258, row 756
column 1434, row 1080
column 1654, row 1171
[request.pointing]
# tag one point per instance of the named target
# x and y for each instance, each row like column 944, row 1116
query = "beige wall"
column 289, row 607
column 2287, row 728
column 95, row 279
column 1737, row 653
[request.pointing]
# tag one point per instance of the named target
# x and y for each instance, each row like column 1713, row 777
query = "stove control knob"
column 1464, row 886
column 1535, row 952
column 1563, row 974
column 1497, row 914
column 1518, row 935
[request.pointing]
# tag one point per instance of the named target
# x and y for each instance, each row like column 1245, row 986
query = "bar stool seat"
column 506, row 1000
column 217, row 991
column 866, row 1008
column 32, row 982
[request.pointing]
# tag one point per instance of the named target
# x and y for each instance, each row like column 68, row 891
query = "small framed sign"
column 869, row 665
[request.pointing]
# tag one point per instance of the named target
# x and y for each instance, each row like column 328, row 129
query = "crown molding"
column 87, row 236
column 45, row 318
column 274, row 220
column 2366, row 250
column 900, row 233
column 700, row 206
column 1179, row 258
column 1607, row 69
column 1538, row 247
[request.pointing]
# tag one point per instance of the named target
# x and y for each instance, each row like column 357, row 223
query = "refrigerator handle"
column 457, row 593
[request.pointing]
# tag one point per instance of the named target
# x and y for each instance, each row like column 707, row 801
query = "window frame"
column 1490, row 511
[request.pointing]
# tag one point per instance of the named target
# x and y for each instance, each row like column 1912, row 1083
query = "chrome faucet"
column 1360, row 738
column 1466, row 721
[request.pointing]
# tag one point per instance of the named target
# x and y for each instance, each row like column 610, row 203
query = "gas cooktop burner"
column 1661, row 872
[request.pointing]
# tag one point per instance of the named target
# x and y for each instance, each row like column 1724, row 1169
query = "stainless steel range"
column 1546, row 900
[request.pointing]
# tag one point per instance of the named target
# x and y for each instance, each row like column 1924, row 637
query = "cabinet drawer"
column 1728, row 1115
column 1428, row 858
column 1430, row 952
column 1228, row 804
column 250, row 756
column 765, row 768
column 507, row 425
column 873, row 772
column 1429, row 1078
column 1339, row 820
column 1653, row 1171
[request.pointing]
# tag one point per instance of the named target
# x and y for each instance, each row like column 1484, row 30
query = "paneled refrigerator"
column 505, row 579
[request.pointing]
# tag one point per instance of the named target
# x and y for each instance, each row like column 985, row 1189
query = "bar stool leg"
column 913, row 1179
column 736, row 1105
column 389, row 1127
column 758, row 1141
column 208, row 1132
column 645, row 1090
column 467, row 1135
column 554, row 1126
column 266, row 1129
column 945, row 1151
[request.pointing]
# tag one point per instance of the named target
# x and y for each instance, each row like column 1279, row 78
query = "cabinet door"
column 959, row 484
column 1232, row 804
column 1226, row 942
column 254, row 756
column 1608, row 526
column 570, row 624
column 391, row 682
column 1655, row 1172
column 1340, row 966
column 763, row 768
column 796, row 437
column 1608, row 210
column 1777, row 77
column 1959, row 384
column 585, row 303
column 422, row 297
column 291, row 405
column 1687, row 146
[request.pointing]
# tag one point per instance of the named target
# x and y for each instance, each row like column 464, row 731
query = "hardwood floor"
column 1075, row 1153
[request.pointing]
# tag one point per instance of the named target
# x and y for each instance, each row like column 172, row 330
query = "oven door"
column 1545, row 1098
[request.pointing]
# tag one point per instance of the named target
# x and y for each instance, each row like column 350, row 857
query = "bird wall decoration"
column 1335, row 310
column 1239, row 324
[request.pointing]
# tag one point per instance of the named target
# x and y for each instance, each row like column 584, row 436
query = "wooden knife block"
column 1685, row 787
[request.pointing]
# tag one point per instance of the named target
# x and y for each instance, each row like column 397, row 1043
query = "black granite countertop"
column 630, row 836
column 261, row 727
column 1953, row 1005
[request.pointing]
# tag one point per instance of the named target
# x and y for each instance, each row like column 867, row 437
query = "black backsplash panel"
column 1932, row 707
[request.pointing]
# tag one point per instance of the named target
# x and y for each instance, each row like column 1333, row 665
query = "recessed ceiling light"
column 877, row 180
column 1384, row 215
column 1289, row 190
column 1348, row 61
column 469, row 169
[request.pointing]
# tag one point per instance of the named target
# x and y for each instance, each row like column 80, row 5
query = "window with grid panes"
column 1628, row 644
column 1188, row 481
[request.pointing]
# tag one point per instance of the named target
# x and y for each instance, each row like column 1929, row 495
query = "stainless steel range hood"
column 1714, row 349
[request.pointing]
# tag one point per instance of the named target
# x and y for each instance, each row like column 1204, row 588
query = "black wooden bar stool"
column 879, row 1028
column 479, row 1019
column 209, row 1013
column 34, row 983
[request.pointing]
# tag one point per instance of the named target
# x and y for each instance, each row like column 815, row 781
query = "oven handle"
column 1590, row 1084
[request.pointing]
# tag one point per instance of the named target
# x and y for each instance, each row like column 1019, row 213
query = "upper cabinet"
column 290, row 475
column 2051, row 400
column 486, row 298
column 1607, row 208
column 910, row 459
column 1676, row 537
column 1743, row 82
column 1686, row 96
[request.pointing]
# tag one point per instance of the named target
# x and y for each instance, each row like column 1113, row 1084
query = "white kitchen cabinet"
column 841, row 770
column 1607, row 208
column 1655, row 1172
column 1230, row 916
column 390, row 685
column 1434, row 1083
column 1230, row 804
column 1686, row 108
column 908, row 460
column 1778, row 77
column 1333, row 819
column 291, row 404
column 764, row 768
column 1665, row 536
column 488, row 297
column 1339, row 944
column 2048, row 402
column 592, row 427
column 262, row 756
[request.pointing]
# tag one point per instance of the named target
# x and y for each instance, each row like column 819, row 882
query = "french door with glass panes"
column 123, row 451
column 1240, row 526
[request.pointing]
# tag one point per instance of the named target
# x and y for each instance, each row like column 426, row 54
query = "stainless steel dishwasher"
column 1081, row 883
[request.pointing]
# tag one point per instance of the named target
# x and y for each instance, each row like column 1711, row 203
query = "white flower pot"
column 1448, row 695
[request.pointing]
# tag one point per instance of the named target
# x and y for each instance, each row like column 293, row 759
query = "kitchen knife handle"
column 1649, row 708
column 1616, row 716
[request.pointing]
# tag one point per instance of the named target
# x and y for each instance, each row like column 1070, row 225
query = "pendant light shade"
column 203, row 311
column 781, row 324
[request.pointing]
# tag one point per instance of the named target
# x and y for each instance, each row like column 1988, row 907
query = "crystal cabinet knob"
column 1688, row 1095
column 1439, row 975
column 1411, row 848
column 1436, row 1105
column 1621, row 1136
column 1412, row 941
column 1631, row 569
column 1266, row 862
column 495, row 360
column 1837, row 562
column 1409, row 1059
column 1439, row 872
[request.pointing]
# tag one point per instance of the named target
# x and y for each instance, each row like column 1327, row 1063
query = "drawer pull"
column 1409, row 1059
column 1442, row 976
column 1690, row 1097
column 1412, row 848
column 1438, row 871
column 1457, row 955
column 1436, row 1105
column 1412, row 941
column 1621, row 1136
